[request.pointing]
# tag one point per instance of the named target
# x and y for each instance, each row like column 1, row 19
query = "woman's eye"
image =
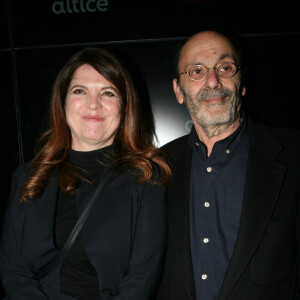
column 78, row 91
column 108, row 93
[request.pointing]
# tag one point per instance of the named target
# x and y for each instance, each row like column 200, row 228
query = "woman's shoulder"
column 18, row 177
column 21, row 170
column 137, row 172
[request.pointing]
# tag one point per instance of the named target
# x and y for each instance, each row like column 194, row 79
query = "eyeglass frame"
column 207, row 70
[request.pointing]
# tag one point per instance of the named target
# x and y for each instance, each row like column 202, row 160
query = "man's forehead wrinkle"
column 196, row 47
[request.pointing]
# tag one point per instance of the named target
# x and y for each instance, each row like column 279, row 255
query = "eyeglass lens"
column 227, row 69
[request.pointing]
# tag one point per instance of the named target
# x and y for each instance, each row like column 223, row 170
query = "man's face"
column 214, row 100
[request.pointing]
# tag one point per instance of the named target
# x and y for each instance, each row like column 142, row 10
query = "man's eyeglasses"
column 199, row 72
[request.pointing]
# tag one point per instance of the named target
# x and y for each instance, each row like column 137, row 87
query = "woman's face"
column 93, row 110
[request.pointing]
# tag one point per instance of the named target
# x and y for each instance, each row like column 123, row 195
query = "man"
column 233, row 203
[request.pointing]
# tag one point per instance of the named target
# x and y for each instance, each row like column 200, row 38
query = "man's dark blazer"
column 265, row 260
column 124, row 237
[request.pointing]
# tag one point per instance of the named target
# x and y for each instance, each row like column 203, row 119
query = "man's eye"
column 198, row 71
column 225, row 69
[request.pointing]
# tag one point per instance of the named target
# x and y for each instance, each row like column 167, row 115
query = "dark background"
column 35, row 43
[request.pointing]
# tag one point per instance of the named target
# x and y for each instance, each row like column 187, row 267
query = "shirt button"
column 206, row 204
column 204, row 276
column 227, row 151
column 197, row 144
column 205, row 240
column 209, row 169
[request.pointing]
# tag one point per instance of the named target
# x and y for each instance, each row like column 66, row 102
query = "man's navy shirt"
column 217, row 187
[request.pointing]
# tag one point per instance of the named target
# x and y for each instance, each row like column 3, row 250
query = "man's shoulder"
column 286, row 134
column 283, row 135
column 280, row 132
column 285, row 140
column 174, row 144
column 178, row 149
column 288, row 139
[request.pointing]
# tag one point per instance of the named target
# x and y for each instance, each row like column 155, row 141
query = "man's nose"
column 212, row 79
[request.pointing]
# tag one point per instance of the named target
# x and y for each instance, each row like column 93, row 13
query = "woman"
column 96, row 124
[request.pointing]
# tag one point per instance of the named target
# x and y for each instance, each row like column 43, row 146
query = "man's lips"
column 214, row 100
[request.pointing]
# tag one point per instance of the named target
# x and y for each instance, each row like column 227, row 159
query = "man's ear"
column 243, row 91
column 178, row 92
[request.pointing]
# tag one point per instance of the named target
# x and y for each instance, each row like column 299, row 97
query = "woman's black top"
column 78, row 276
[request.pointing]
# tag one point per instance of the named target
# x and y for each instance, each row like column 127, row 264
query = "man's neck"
column 212, row 134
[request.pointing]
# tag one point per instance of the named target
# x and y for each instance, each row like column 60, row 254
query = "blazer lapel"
column 263, row 182
column 178, row 213
column 41, row 214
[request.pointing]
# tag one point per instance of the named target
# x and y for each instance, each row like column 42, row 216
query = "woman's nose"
column 93, row 102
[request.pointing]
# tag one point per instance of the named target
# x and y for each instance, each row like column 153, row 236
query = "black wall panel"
column 8, row 124
column 49, row 22
column 272, row 78
column 4, row 28
column 9, row 158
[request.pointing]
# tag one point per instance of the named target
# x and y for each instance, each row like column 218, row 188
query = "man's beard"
column 207, row 115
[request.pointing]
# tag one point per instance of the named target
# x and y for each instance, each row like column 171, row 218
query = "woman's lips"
column 93, row 118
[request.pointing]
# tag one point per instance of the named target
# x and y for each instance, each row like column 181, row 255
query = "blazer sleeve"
column 17, row 279
column 147, row 256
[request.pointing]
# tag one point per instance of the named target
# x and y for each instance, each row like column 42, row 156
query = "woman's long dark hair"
column 136, row 144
